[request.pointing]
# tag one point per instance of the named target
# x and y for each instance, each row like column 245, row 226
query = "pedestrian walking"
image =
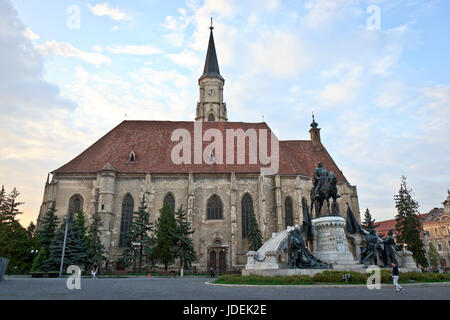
column 94, row 272
column 212, row 272
column 395, row 276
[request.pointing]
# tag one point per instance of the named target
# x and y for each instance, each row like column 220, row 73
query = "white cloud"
column 278, row 54
column 187, row 58
column 105, row 10
column 321, row 13
column 64, row 49
column 31, row 35
column 134, row 49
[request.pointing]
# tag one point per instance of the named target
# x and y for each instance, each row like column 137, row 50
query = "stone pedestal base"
column 330, row 243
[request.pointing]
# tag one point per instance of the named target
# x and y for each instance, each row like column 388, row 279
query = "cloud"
column 31, row 35
column 186, row 58
column 64, row 49
column 134, row 49
column 322, row 13
column 105, row 10
column 35, row 121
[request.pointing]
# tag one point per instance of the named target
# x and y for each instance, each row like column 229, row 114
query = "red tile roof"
column 151, row 142
column 385, row 226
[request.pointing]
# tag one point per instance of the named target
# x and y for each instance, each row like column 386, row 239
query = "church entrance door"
column 212, row 259
column 222, row 261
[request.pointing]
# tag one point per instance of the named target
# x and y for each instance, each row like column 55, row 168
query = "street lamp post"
column 64, row 244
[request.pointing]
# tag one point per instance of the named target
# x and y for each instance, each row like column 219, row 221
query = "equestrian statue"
column 325, row 187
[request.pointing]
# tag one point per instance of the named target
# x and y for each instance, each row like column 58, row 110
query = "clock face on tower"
column 211, row 92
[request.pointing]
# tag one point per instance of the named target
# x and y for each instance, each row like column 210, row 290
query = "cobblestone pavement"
column 195, row 288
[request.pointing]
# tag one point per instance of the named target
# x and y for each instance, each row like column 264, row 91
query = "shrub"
column 37, row 274
column 53, row 274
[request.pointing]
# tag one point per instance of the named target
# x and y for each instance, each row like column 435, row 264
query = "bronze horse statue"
column 328, row 190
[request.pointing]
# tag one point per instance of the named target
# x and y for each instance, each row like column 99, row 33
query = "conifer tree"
column 9, row 206
column 31, row 229
column 165, row 230
column 408, row 223
column 368, row 222
column 46, row 234
column 95, row 248
column 254, row 234
column 184, row 246
column 138, row 233
column 75, row 252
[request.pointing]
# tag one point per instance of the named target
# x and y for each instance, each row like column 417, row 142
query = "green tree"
column 434, row 255
column 165, row 242
column 16, row 246
column 95, row 248
column 31, row 230
column 9, row 206
column 368, row 222
column 46, row 234
column 184, row 246
column 75, row 252
column 138, row 233
column 254, row 234
column 408, row 223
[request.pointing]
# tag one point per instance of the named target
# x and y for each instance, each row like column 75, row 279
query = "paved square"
column 195, row 288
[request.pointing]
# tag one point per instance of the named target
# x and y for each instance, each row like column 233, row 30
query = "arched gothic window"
column 246, row 210
column 211, row 118
column 214, row 208
column 289, row 218
column 170, row 200
column 127, row 218
column 75, row 204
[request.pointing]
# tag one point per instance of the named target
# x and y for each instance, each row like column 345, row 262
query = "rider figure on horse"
column 320, row 176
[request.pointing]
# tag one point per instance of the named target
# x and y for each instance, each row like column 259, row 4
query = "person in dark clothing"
column 395, row 276
column 212, row 272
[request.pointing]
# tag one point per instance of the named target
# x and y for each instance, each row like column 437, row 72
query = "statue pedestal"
column 330, row 243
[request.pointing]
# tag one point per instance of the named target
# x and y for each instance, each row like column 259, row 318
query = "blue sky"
column 381, row 96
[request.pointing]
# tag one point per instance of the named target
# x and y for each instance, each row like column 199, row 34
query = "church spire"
column 211, row 68
column 211, row 106
column 315, row 133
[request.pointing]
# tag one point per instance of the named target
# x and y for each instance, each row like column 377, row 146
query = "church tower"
column 211, row 106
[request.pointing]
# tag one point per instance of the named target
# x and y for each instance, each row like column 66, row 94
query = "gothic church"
column 134, row 159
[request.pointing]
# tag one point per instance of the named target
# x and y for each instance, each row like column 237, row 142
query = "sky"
column 374, row 72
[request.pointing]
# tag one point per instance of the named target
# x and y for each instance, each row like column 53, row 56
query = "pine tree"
column 31, row 230
column 75, row 252
column 254, row 234
column 138, row 233
column 95, row 248
column 165, row 229
column 408, row 223
column 10, row 206
column 46, row 234
column 368, row 222
column 434, row 255
column 184, row 246
column 2, row 200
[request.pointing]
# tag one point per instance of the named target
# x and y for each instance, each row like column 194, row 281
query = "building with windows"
column 436, row 225
column 136, row 159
